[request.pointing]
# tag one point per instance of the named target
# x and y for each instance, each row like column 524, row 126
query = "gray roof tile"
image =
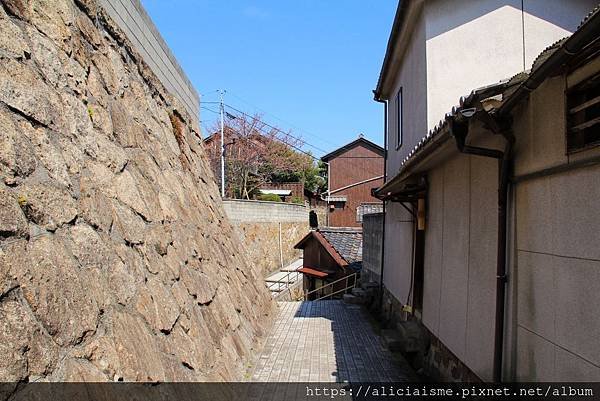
column 347, row 242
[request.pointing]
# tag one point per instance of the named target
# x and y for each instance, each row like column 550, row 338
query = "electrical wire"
column 277, row 129
column 317, row 137
column 279, row 139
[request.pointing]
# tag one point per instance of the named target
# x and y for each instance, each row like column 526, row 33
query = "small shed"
column 330, row 255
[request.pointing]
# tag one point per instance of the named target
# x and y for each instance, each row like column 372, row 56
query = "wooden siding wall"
column 354, row 165
column 316, row 257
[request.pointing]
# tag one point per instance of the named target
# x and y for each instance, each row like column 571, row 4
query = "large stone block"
column 117, row 261
column 68, row 315
column 47, row 206
column 12, row 40
column 23, row 89
column 12, row 219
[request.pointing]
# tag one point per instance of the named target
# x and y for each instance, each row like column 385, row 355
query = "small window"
column 583, row 115
column 399, row 119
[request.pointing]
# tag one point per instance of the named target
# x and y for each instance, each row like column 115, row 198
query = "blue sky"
column 308, row 65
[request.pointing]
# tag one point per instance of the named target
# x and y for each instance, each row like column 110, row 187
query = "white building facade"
column 444, row 275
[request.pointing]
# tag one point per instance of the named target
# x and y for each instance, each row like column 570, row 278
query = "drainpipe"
column 501, row 257
column 385, row 156
column 459, row 129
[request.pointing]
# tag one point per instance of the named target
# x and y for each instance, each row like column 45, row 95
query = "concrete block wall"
column 251, row 211
column 269, row 230
column 143, row 34
column 372, row 240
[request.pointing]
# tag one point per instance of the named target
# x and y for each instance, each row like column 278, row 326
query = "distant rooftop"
column 360, row 141
column 347, row 241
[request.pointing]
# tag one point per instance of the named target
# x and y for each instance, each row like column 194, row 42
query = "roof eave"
column 328, row 247
column 349, row 145
column 401, row 29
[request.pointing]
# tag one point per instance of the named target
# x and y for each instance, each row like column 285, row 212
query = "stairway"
column 285, row 278
column 364, row 294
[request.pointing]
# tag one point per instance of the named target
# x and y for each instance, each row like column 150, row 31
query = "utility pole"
column 222, row 92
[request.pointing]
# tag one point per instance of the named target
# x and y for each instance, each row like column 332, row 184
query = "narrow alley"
column 327, row 341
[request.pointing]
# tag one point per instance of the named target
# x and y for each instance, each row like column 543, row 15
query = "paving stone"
column 327, row 341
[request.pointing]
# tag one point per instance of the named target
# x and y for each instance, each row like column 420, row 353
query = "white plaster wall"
column 476, row 43
column 469, row 44
column 546, row 21
column 460, row 45
column 414, row 92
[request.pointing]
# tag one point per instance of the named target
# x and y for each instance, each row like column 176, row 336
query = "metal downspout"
column 460, row 133
column 385, row 156
column 501, row 257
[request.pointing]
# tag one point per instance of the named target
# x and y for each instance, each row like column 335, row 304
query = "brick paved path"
column 326, row 341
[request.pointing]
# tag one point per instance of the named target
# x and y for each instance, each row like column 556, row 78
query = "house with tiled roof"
column 491, row 187
column 332, row 258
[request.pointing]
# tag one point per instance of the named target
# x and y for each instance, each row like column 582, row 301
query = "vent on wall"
column 583, row 115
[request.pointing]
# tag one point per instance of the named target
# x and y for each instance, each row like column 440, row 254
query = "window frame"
column 399, row 119
column 575, row 140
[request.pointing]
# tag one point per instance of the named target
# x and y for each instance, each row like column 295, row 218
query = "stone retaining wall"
column 117, row 261
column 267, row 227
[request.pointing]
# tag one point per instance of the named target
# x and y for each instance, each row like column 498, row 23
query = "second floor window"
column 399, row 118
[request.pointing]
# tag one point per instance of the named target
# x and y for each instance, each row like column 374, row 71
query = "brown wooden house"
column 353, row 170
column 330, row 254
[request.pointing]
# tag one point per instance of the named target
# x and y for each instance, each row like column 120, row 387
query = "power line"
column 279, row 130
column 276, row 138
column 211, row 110
column 318, row 137
column 279, row 139
column 276, row 129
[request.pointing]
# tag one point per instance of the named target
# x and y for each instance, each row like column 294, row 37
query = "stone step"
column 391, row 340
column 353, row 299
column 412, row 336
column 369, row 285
column 359, row 292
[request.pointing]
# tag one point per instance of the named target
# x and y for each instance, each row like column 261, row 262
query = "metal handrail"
column 284, row 280
column 346, row 278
